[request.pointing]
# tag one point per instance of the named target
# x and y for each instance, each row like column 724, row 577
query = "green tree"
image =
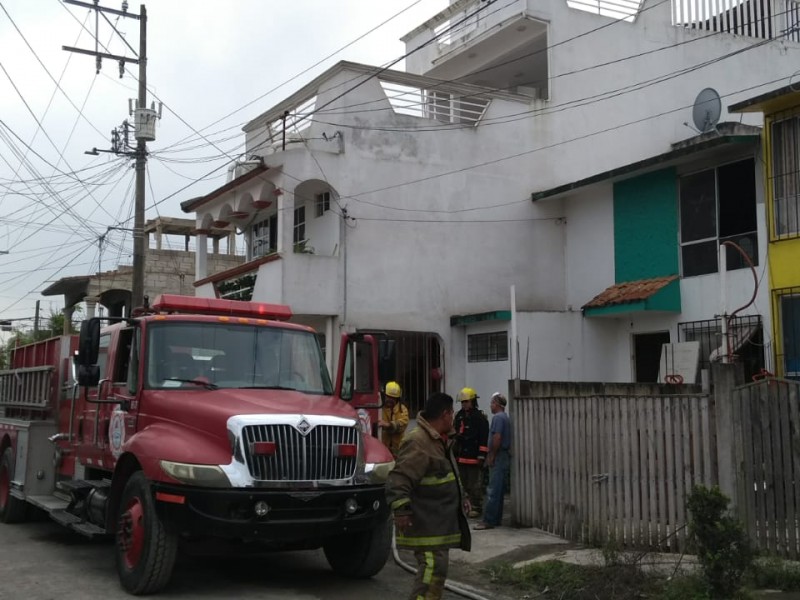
column 53, row 326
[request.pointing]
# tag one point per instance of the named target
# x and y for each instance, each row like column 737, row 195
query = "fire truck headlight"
column 378, row 472
column 201, row 475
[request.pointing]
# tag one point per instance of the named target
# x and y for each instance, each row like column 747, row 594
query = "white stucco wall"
column 440, row 222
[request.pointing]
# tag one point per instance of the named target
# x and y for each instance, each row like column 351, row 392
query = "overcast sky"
column 213, row 64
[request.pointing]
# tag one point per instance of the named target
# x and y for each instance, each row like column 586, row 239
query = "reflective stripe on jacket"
column 424, row 484
column 472, row 436
column 397, row 417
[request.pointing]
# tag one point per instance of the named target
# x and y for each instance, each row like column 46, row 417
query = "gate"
column 600, row 462
column 766, row 417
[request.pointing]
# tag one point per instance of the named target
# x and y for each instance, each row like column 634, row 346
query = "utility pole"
column 137, row 288
column 144, row 131
column 36, row 322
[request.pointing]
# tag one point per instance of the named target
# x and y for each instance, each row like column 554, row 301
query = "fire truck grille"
column 289, row 455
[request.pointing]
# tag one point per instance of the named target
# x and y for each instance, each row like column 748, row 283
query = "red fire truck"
column 198, row 420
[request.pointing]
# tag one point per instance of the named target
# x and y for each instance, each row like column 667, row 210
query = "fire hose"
column 454, row 587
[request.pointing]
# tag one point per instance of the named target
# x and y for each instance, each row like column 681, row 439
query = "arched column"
column 91, row 306
column 201, row 255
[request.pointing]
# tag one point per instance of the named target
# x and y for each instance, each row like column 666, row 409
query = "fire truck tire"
column 12, row 510
column 360, row 555
column 146, row 549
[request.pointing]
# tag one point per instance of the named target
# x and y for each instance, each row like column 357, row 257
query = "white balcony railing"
column 625, row 10
column 439, row 104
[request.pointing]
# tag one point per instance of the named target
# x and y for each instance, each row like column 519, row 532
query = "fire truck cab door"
column 357, row 378
column 101, row 423
column 123, row 388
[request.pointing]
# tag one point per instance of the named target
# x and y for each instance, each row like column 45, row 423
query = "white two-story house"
column 473, row 210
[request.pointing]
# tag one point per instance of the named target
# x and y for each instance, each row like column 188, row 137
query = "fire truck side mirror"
column 89, row 343
column 88, row 375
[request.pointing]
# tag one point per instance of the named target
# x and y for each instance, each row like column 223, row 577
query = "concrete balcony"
column 495, row 45
column 307, row 283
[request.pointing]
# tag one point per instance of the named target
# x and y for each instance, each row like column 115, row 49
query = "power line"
column 528, row 152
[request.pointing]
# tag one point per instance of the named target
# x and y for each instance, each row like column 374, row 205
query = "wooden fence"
column 600, row 462
column 766, row 419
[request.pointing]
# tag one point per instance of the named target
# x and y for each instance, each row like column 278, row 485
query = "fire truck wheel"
column 146, row 549
column 12, row 510
column 360, row 555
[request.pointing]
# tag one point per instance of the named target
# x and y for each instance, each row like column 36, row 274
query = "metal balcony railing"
column 760, row 19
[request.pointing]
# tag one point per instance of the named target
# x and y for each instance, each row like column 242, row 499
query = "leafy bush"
column 722, row 546
column 775, row 573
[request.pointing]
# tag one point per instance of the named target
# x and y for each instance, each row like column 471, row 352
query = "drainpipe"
column 344, row 259
column 723, row 302
column 513, row 355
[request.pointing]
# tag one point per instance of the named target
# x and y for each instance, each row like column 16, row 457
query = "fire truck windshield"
column 203, row 355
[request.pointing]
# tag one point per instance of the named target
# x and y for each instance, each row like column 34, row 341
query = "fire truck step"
column 77, row 524
column 48, row 503
column 74, row 485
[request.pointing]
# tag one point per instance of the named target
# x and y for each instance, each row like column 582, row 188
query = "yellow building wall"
column 783, row 255
column 784, row 262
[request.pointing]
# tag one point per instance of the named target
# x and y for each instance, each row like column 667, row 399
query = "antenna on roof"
column 706, row 110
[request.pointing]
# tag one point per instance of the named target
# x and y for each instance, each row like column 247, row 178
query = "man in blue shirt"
column 498, row 460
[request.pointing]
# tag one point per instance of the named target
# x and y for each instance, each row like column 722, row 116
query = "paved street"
column 43, row 561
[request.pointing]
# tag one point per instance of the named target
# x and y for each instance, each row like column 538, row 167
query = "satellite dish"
column 706, row 111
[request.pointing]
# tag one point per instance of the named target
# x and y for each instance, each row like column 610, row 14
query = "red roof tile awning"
column 633, row 293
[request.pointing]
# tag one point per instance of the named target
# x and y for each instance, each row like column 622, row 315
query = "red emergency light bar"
column 221, row 307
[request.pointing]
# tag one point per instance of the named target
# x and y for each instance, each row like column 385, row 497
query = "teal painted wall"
column 646, row 226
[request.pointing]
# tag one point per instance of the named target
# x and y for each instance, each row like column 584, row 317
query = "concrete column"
column 91, row 304
column 201, row 256
column 215, row 245
column 285, row 221
column 329, row 346
column 68, row 311
column 728, row 420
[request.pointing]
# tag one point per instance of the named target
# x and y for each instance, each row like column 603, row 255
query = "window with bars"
column 789, row 315
column 487, row 347
column 717, row 205
column 786, row 177
column 745, row 337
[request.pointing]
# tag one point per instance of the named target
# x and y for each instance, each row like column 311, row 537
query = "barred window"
column 487, row 347
column 786, row 177
column 745, row 337
column 789, row 317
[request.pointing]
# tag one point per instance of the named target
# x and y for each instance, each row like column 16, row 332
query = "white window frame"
column 322, row 203
column 717, row 238
column 260, row 243
column 299, row 234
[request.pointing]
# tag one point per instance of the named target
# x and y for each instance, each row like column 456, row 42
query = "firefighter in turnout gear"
column 394, row 417
column 425, row 495
column 472, row 438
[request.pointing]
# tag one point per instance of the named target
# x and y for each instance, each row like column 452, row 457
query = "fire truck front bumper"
column 286, row 516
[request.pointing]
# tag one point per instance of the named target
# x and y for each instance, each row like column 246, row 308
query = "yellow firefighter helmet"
column 393, row 389
column 467, row 393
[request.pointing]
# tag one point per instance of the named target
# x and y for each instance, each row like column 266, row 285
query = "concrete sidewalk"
column 509, row 544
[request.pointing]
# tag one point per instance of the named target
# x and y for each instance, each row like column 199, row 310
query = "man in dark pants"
column 424, row 492
column 472, row 433
column 498, row 460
